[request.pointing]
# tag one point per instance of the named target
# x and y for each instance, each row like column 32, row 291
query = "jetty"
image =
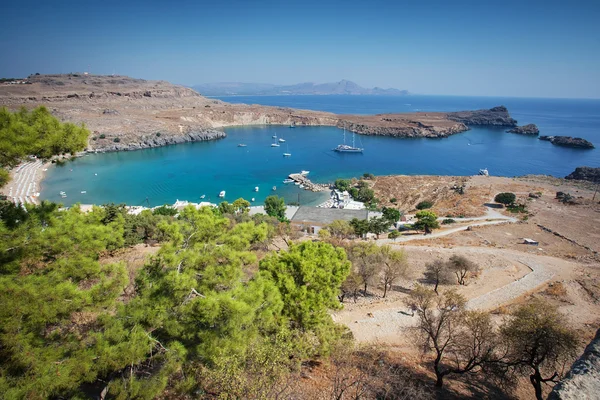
column 306, row 183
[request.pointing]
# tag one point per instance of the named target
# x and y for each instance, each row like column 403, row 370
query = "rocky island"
column 529, row 129
column 126, row 114
column 496, row 116
column 568, row 141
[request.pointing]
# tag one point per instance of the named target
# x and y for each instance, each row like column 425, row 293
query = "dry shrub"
column 368, row 373
column 556, row 289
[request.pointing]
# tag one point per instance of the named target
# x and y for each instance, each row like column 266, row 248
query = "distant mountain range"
column 254, row 89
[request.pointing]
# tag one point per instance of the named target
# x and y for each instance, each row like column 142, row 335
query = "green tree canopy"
column 36, row 133
column 275, row 207
column 308, row 276
column 426, row 221
column 391, row 214
column 505, row 198
column 423, row 205
column 342, row 184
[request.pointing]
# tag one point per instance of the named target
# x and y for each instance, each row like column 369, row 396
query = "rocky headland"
column 585, row 174
column 496, row 116
column 568, row 141
column 529, row 129
column 128, row 114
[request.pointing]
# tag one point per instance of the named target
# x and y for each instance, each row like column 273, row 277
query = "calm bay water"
column 187, row 171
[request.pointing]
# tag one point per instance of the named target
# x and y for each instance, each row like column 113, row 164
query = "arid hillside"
column 127, row 114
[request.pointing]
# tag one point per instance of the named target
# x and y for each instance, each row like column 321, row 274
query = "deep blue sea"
column 187, row 171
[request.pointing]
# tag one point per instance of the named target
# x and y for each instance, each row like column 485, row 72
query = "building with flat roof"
column 312, row 219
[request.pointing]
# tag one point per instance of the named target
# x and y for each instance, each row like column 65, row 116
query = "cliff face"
column 585, row 174
column 128, row 114
column 497, row 116
column 583, row 380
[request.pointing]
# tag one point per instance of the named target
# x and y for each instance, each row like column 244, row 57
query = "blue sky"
column 492, row 48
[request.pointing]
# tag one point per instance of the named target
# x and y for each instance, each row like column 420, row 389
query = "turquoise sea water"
column 187, row 171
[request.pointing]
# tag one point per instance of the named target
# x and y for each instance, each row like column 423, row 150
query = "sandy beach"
column 25, row 182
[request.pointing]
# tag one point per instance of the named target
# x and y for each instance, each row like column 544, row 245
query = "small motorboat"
column 281, row 140
column 296, row 183
column 203, row 196
column 304, row 172
column 274, row 144
column 288, row 180
column 222, row 193
column 253, row 199
column 274, row 187
column 287, row 154
column 484, row 172
column 83, row 192
column 241, row 145
column 301, row 186
column 256, row 188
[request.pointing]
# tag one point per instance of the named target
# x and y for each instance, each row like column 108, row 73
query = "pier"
column 307, row 184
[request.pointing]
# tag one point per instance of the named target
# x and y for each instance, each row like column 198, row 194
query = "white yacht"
column 222, row 193
column 345, row 148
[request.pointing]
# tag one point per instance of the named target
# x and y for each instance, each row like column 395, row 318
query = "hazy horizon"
column 466, row 48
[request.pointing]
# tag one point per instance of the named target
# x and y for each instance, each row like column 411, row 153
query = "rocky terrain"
column 585, row 174
column 568, row 141
column 127, row 114
column 583, row 380
column 497, row 116
column 529, row 129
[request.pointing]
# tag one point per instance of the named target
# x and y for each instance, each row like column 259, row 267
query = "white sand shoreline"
column 25, row 182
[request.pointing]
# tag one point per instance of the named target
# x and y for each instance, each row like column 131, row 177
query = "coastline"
column 25, row 185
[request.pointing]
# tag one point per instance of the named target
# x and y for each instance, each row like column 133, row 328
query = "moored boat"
column 222, row 193
column 345, row 148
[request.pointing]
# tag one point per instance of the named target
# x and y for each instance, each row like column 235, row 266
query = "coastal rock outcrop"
column 568, row 141
column 583, row 380
column 414, row 130
column 496, row 116
column 158, row 141
column 529, row 129
column 585, row 174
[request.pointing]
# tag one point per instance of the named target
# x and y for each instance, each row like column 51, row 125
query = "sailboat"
column 344, row 148
column 275, row 144
column 288, row 154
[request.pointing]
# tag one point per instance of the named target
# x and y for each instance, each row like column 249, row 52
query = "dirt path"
column 491, row 214
column 383, row 322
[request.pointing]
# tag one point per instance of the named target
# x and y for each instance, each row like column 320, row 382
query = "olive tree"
column 393, row 266
column 540, row 343
column 462, row 267
column 438, row 272
column 461, row 341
